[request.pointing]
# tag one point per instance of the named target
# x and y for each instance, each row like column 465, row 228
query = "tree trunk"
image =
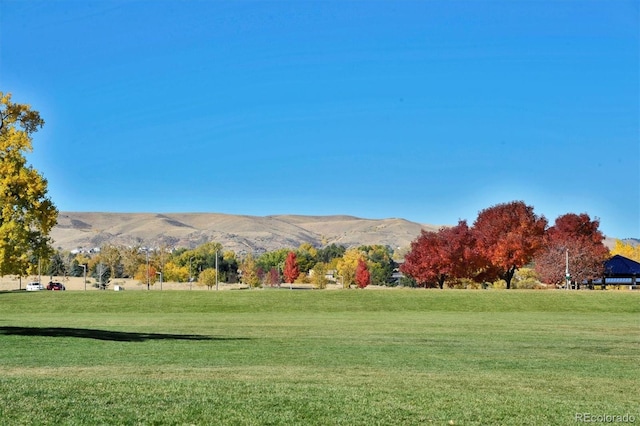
column 441, row 279
column 508, row 276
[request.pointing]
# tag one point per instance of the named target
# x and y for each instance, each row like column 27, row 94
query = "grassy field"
column 318, row 357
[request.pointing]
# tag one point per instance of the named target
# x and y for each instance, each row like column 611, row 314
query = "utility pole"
column 566, row 274
column 190, row 274
column 148, row 270
column 84, row 268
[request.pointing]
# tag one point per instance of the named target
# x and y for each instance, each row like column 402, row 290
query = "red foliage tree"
column 291, row 270
column 581, row 237
column 507, row 236
column 437, row 256
column 274, row 277
column 421, row 262
column 363, row 277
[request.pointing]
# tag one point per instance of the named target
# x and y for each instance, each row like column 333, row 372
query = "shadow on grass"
column 118, row 336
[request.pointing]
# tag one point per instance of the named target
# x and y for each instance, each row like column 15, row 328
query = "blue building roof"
column 620, row 266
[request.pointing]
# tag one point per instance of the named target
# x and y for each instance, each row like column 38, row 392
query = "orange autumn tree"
column 439, row 256
column 507, row 236
column 146, row 274
column 291, row 270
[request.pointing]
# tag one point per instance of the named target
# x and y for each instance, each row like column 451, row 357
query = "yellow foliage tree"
column 249, row 270
column 320, row 275
column 146, row 274
column 174, row 272
column 89, row 262
column 229, row 256
column 346, row 266
column 627, row 250
column 110, row 255
column 207, row 277
column 27, row 214
column 131, row 258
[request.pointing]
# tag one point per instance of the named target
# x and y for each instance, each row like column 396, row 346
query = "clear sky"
column 428, row 111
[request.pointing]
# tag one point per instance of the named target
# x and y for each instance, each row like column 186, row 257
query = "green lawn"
column 318, row 357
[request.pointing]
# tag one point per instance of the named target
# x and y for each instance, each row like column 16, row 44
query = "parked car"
column 55, row 286
column 35, row 286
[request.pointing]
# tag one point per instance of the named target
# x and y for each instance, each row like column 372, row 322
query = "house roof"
column 621, row 266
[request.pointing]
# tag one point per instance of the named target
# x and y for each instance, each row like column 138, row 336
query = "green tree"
column 208, row 252
column 307, row 256
column 57, row 265
column 203, row 257
column 273, row 259
column 89, row 262
column 330, row 252
column 27, row 214
column 229, row 267
column 70, row 267
column 380, row 263
column 102, row 274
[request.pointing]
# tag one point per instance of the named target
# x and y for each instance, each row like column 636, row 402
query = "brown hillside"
column 234, row 232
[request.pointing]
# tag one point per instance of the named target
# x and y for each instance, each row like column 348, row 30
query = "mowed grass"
column 318, row 357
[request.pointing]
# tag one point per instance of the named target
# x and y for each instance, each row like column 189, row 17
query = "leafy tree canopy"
column 291, row 269
column 507, row 237
column 577, row 236
column 27, row 214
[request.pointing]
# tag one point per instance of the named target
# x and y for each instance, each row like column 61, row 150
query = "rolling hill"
column 235, row 232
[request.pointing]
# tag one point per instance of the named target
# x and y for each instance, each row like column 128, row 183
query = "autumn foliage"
column 363, row 277
column 291, row 270
column 27, row 214
column 507, row 238
column 626, row 249
column 503, row 239
column 580, row 236
column 438, row 256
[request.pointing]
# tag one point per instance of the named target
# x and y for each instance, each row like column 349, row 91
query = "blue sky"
column 429, row 111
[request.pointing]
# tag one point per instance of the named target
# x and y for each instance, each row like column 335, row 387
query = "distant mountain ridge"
column 89, row 230
column 235, row 232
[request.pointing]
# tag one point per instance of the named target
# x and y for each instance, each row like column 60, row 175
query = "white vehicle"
column 35, row 286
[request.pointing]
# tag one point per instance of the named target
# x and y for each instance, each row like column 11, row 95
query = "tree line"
column 209, row 264
column 507, row 242
column 503, row 240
